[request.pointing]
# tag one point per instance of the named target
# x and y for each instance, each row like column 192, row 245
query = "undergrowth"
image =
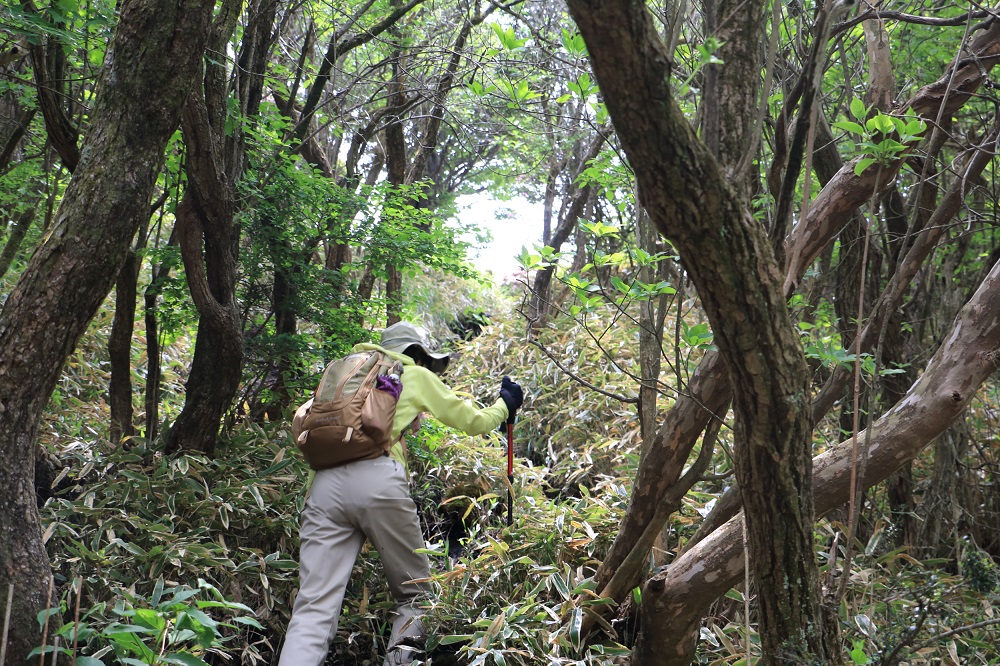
column 138, row 538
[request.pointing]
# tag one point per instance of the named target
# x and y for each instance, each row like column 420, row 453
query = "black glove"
column 512, row 396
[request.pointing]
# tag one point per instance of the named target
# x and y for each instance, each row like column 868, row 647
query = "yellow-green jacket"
column 423, row 391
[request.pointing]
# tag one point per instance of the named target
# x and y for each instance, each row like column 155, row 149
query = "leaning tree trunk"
column 151, row 64
column 679, row 597
column 730, row 261
column 830, row 212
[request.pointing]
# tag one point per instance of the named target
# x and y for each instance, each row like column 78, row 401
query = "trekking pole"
column 510, row 473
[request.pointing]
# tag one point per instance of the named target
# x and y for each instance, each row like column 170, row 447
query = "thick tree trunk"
column 728, row 256
column 679, row 597
column 708, row 392
column 151, row 65
column 710, row 388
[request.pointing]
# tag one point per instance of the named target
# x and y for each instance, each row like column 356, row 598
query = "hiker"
column 370, row 499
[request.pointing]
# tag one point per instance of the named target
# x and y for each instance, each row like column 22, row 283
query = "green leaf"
column 914, row 128
column 858, row 655
column 863, row 164
column 149, row 618
column 600, row 229
column 257, row 497
column 508, row 38
column 157, row 592
column 45, row 614
column 121, row 629
column 557, row 581
column 456, row 638
column 849, row 126
column 663, row 288
column 573, row 43
column 182, row 594
column 199, row 623
column 880, row 123
column 575, row 625
column 48, row 650
column 858, row 109
column 619, row 284
column 201, row 618
column 89, row 661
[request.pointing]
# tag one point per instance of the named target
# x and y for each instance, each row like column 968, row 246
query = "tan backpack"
column 350, row 415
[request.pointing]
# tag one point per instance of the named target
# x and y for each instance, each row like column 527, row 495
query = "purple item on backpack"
column 390, row 384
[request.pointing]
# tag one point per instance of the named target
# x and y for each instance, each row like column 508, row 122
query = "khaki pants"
column 367, row 498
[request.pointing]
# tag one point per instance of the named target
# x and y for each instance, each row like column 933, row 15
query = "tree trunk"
column 393, row 295
column 709, row 388
column 154, row 371
column 120, row 351
column 708, row 393
column 209, row 235
column 14, row 240
column 652, row 314
column 48, row 66
column 574, row 201
column 395, row 162
column 728, row 256
column 679, row 597
column 151, row 64
column 941, row 507
column 847, row 192
column 218, row 353
column 922, row 245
